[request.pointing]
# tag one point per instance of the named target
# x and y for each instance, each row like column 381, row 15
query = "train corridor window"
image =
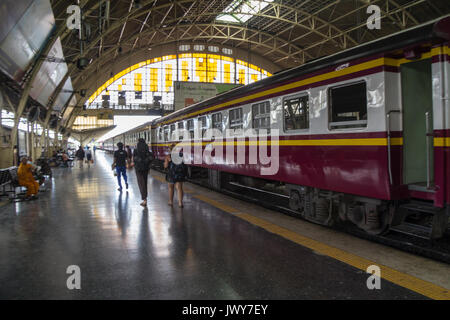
column 180, row 127
column 296, row 113
column 236, row 119
column 166, row 133
column 190, row 128
column 261, row 115
column 202, row 121
column 348, row 106
column 160, row 134
column 216, row 120
column 172, row 132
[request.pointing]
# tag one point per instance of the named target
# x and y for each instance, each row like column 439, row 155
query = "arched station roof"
column 272, row 34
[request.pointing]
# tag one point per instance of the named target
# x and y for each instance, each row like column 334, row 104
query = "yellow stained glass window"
column 227, row 73
column 138, row 82
column 169, row 82
column 155, row 76
column 212, row 70
column 200, row 69
column 242, row 76
column 184, row 71
column 153, row 79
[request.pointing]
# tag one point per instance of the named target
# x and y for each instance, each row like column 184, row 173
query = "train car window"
column 180, row 127
column 348, row 106
column 217, row 121
column 261, row 115
column 166, row 133
column 190, row 127
column 172, row 132
column 203, row 124
column 236, row 119
column 296, row 113
column 160, row 134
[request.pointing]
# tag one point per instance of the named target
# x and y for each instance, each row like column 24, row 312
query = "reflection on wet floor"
column 160, row 252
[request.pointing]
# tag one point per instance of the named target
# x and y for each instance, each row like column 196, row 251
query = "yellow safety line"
column 412, row 283
column 4, row 203
column 217, row 204
column 160, row 179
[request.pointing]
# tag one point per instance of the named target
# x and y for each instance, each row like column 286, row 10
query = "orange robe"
column 26, row 179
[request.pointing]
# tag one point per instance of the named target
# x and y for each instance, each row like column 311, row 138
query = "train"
column 362, row 136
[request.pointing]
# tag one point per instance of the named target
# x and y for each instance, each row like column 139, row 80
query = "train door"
column 417, row 124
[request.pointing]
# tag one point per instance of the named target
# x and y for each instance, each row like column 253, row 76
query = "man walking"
column 80, row 156
column 120, row 164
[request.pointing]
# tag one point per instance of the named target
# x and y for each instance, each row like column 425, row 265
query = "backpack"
column 178, row 171
column 142, row 162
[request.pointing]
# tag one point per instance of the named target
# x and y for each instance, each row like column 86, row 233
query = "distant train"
column 364, row 135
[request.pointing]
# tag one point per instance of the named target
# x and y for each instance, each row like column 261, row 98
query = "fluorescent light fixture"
column 246, row 9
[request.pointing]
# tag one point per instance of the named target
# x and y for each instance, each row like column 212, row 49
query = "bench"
column 10, row 184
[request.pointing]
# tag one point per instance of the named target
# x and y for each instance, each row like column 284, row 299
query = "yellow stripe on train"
column 322, row 142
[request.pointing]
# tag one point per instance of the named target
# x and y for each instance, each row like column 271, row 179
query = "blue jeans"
column 121, row 171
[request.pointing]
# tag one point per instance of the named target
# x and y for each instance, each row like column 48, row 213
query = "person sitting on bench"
column 26, row 178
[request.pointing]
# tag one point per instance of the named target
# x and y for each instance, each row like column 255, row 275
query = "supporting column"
column 28, row 85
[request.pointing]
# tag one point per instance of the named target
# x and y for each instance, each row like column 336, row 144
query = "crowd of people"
column 141, row 159
column 125, row 158
column 84, row 156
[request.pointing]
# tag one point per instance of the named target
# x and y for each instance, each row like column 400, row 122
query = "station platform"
column 216, row 247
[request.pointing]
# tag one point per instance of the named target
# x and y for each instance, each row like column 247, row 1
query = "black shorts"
column 171, row 179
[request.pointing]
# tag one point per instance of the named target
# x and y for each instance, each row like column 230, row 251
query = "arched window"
column 152, row 81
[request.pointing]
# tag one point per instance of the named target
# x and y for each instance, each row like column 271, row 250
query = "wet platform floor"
column 161, row 252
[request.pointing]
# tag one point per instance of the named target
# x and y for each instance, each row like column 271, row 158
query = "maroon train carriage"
column 362, row 133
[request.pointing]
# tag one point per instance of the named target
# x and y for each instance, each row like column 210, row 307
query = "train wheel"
column 377, row 219
column 295, row 201
column 323, row 214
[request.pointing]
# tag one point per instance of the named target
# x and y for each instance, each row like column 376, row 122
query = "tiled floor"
column 127, row 252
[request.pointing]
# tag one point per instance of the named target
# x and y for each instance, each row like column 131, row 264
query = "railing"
column 388, row 120
column 132, row 106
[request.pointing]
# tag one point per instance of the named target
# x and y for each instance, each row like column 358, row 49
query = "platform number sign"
column 374, row 281
column 374, row 20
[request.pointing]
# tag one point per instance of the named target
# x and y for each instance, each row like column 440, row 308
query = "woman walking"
column 176, row 175
column 142, row 158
